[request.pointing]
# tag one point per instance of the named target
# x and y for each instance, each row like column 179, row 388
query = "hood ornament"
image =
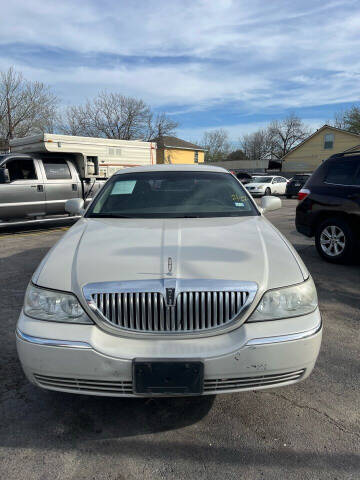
column 170, row 266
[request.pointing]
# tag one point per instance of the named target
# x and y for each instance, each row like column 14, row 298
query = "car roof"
column 265, row 175
column 173, row 168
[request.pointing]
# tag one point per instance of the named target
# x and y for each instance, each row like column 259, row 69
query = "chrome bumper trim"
column 50, row 342
column 285, row 338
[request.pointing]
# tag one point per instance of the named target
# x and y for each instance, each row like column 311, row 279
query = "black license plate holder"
column 168, row 377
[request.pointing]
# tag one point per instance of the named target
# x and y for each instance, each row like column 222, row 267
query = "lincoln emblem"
column 170, row 297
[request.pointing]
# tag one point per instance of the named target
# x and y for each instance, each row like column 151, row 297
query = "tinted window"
column 176, row 194
column 301, row 178
column 56, row 169
column 343, row 173
column 21, row 169
column 261, row 180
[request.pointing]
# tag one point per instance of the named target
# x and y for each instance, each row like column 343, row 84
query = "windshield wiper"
column 187, row 216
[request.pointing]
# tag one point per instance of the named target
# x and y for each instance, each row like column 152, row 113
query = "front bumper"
column 256, row 192
column 85, row 359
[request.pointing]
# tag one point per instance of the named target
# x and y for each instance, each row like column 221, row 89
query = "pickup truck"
column 43, row 171
column 36, row 186
column 173, row 282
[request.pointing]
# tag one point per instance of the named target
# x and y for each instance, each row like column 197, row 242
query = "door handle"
column 354, row 195
column 40, row 188
column 74, row 187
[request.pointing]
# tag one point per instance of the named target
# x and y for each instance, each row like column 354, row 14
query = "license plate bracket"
column 172, row 377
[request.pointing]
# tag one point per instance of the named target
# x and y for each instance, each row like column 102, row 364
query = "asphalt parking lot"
column 306, row 431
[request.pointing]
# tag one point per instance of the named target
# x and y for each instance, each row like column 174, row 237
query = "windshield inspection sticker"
column 239, row 204
column 123, row 187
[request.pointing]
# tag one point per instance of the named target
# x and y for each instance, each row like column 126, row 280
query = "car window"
column 283, row 180
column 21, row 169
column 174, row 194
column 343, row 173
column 301, row 178
column 56, row 169
column 261, row 180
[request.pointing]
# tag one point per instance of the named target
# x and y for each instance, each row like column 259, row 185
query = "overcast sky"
column 216, row 63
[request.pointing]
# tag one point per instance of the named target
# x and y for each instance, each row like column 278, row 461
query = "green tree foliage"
column 237, row 155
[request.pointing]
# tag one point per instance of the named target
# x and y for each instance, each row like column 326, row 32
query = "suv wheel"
column 335, row 240
column 267, row 191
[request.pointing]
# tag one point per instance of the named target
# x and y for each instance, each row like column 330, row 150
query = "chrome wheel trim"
column 332, row 241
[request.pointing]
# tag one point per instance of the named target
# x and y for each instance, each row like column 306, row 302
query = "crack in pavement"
column 332, row 420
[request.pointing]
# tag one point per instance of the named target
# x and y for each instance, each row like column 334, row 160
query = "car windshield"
column 175, row 194
column 300, row 178
column 261, row 180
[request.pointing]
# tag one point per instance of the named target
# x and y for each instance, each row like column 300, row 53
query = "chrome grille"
column 100, row 386
column 193, row 311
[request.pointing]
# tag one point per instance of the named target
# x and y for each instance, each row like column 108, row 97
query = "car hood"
column 101, row 250
column 257, row 185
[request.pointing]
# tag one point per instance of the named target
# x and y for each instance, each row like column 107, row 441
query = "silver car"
column 172, row 283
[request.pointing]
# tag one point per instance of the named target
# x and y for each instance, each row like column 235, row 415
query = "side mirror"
column 75, row 206
column 4, row 175
column 269, row 203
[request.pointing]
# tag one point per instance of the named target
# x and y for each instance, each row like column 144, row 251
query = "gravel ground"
column 306, row 431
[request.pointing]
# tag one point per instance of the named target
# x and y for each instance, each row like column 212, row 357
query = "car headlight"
column 51, row 305
column 286, row 302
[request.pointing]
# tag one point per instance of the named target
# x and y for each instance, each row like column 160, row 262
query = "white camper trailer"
column 94, row 157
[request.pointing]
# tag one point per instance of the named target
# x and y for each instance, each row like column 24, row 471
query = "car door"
column 24, row 196
column 60, row 182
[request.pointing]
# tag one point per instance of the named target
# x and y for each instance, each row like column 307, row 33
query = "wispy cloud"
column 189, row 56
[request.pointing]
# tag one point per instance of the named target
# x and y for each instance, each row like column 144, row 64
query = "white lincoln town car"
column 173, row 282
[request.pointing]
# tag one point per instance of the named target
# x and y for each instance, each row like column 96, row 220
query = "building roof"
column 356, row 148
column 174, row 142
column 316, row 132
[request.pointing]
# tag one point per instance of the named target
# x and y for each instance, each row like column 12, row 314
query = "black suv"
column 329, row 207
column 296, row 184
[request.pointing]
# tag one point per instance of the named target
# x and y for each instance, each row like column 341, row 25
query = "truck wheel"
column 335, row 240
column 267, row 191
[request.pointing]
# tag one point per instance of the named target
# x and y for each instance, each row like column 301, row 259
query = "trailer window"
column 56, row 169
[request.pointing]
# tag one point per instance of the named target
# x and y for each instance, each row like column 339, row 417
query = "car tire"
column 267, row 191
column 335, row 240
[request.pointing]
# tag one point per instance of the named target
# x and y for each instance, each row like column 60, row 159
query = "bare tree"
column 216, row 144
column 339, row 121
column 348, row 119
column 286, row 134
column 112, row 115
column 25, row 107
column 160, row 125
column 256, row 145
